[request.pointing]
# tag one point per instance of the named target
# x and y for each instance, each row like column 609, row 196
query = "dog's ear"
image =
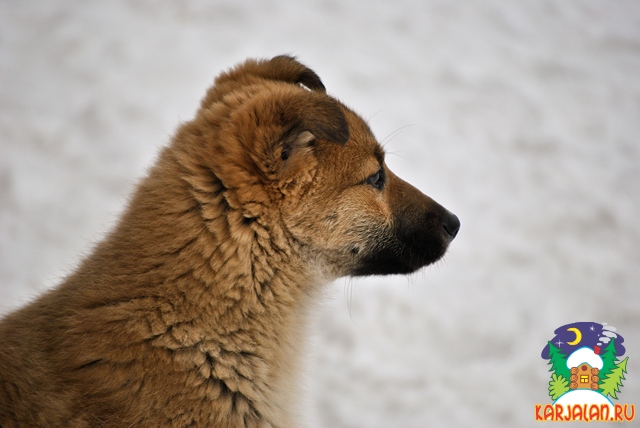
column 282, row 68
column 308, row 120
column 320, row 115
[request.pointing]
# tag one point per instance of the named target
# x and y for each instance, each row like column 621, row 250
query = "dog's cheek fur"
column 341, row 227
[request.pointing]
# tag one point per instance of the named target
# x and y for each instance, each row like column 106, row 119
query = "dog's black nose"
column 451, row 225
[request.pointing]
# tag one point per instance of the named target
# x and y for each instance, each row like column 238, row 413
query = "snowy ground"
column 521, row 117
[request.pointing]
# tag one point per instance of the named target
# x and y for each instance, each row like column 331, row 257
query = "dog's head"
column 298, row 164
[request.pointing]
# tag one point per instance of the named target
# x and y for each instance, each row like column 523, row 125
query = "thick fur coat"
column 190, row 312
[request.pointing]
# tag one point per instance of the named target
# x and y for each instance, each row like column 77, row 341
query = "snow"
column 521, row 117
column 584, row 396
column 584, row 355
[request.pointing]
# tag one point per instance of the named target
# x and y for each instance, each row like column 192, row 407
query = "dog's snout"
column 451, row 225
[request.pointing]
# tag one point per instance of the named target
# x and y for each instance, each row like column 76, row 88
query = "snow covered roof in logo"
column 584, row 355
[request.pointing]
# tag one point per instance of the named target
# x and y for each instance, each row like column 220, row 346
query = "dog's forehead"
column 362, row 143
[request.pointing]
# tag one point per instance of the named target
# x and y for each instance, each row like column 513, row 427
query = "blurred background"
column 523, row 118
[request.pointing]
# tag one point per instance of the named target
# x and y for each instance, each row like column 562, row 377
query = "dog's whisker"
column 368, row 120
column 395, row 154
column 349, row 296
column 394, row 134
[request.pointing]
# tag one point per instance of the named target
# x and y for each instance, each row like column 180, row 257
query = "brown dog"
column 189, row 313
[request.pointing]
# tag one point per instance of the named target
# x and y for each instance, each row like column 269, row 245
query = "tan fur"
column 190, row 313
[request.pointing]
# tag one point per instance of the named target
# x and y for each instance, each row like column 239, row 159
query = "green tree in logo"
column 558, row 362
column 608, row 359
column 611, row 384
column 558, row 386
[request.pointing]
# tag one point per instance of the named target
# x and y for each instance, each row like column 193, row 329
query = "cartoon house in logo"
column 585, row 365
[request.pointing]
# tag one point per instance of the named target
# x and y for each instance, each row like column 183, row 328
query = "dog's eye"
column 377, row 179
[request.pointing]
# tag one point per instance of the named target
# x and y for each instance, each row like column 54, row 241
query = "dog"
column 191, row 311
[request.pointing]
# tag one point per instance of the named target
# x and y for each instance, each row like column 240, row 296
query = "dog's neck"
column 206, row 282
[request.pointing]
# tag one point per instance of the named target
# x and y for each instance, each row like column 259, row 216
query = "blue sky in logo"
column 571, row 337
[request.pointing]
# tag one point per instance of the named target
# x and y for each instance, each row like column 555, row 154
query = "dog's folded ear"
column 313, row 115
column 282, row 68
column 310, row 119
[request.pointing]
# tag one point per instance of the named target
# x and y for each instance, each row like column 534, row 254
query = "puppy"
column 189, row 313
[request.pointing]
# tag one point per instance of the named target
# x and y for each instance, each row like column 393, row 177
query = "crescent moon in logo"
column 578, row 336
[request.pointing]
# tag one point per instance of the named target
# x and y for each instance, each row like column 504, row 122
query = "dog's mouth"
column 407, row 247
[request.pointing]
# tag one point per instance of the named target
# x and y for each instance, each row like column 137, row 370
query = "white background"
column 521, row 117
